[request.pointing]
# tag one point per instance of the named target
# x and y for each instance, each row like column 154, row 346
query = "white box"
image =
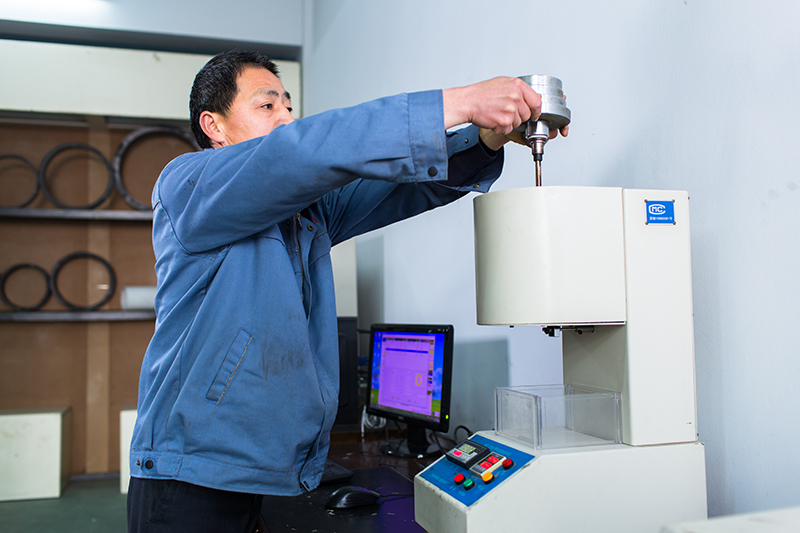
column 127, row 419
column 34, row 453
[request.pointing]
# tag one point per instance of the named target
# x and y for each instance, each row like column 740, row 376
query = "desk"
column 385, row 475
column 358, row 455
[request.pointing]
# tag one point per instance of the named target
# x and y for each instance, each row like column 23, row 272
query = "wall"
column 105, row 81
column 265, row 21
column 674, row 94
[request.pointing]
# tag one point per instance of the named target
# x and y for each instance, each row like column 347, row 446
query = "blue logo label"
column 660, row 212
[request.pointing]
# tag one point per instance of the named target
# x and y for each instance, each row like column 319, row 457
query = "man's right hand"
column 497, row 106
column 500, row 104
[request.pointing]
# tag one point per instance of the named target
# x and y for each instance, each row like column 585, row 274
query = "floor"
column 93, row 503
column 88, row 505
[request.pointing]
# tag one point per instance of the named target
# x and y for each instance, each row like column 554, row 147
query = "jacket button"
column 310, row 227
column 148, row 464
column 476, row 186
column 432, row 171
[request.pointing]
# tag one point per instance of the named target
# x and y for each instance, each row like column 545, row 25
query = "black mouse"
column 350, row 496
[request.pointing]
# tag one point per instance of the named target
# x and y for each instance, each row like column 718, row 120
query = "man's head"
column 237, row 96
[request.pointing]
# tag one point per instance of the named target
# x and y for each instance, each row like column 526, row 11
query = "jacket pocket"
column 229, row 366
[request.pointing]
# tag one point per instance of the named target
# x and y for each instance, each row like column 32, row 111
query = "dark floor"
column 92, row 503
column 86, row 506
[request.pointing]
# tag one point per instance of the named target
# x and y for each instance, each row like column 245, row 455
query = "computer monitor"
column 410, row 367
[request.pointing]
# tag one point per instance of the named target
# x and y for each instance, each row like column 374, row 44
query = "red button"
column 508, row 463
column 486, row 465
column 457, row 453
column 459, row 479
column 492, row 459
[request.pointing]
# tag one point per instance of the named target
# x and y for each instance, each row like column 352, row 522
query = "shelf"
column 76, row 316
column 77, row 214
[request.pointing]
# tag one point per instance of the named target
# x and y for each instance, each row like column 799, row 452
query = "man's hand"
column 495, row 141
column 497, row 106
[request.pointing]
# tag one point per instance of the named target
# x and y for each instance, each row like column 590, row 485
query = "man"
column 238, row 388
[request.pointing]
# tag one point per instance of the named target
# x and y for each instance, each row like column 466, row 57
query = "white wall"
column 677, row 94
column 104, row 81
column 266, row 21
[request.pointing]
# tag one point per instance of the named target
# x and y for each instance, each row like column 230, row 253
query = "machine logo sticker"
column 660, row 212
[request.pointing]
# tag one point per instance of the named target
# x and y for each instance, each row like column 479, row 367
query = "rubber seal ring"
column 112, row 280
column 70, row 146
column 122, row 150
column 36, row 177
column 19, row 266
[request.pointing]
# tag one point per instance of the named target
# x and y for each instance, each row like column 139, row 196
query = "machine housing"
column 608, row 269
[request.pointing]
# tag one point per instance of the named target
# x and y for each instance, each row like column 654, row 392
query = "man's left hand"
column 495, row 141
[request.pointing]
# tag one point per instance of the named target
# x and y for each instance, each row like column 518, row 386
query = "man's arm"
column 366, row 205
column 215, row 199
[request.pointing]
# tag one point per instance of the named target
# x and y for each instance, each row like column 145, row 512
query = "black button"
column 432, row 171
column 148, row 464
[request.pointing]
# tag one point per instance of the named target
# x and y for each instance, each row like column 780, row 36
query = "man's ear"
column 213, row 127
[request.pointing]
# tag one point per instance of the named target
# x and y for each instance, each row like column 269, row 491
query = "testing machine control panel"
column 473, row 468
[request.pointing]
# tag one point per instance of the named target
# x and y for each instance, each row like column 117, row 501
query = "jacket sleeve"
column 216, row 197
column 364, row 205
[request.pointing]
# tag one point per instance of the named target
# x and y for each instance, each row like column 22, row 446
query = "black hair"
column 215, row 86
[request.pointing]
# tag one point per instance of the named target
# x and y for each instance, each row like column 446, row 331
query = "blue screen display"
column 407, row 373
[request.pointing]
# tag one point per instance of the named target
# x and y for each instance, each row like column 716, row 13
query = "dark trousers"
column 156, row 505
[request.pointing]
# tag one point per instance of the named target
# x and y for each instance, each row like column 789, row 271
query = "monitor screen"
column 410, row 370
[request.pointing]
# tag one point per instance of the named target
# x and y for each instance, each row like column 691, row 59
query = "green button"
column 468, row 484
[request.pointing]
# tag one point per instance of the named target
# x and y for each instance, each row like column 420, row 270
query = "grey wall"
column 202, row 26
column 271, row 21
column 677, row 94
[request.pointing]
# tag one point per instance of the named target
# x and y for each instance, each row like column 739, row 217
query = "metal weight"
column 554, row 103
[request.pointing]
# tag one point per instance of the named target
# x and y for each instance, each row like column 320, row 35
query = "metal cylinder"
column 554, row 103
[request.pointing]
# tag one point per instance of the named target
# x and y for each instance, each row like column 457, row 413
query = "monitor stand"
column 414, row 446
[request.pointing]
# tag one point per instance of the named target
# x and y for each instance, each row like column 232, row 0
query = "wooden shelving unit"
column 76, row 316
column 108, row 215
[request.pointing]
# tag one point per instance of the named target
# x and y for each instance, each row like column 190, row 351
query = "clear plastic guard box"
column 547, row 417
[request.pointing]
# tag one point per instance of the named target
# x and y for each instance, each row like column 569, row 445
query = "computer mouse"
column 351, row 496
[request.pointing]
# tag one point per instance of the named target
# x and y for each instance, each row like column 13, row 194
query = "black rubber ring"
column 33, row 168
column 68, row 146
column 19, row 266
column 112, row 280
column 123, row 149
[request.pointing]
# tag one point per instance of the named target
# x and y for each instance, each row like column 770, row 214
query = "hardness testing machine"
column 615, row 447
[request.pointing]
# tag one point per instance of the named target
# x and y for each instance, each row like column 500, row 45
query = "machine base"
column 611, row 488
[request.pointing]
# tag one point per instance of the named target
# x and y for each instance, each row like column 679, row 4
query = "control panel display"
column 468, row 453
column 474, row 467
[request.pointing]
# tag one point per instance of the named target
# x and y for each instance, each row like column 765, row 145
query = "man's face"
column 261, row 105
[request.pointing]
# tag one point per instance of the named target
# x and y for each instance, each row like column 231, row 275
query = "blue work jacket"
column 239, row 385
